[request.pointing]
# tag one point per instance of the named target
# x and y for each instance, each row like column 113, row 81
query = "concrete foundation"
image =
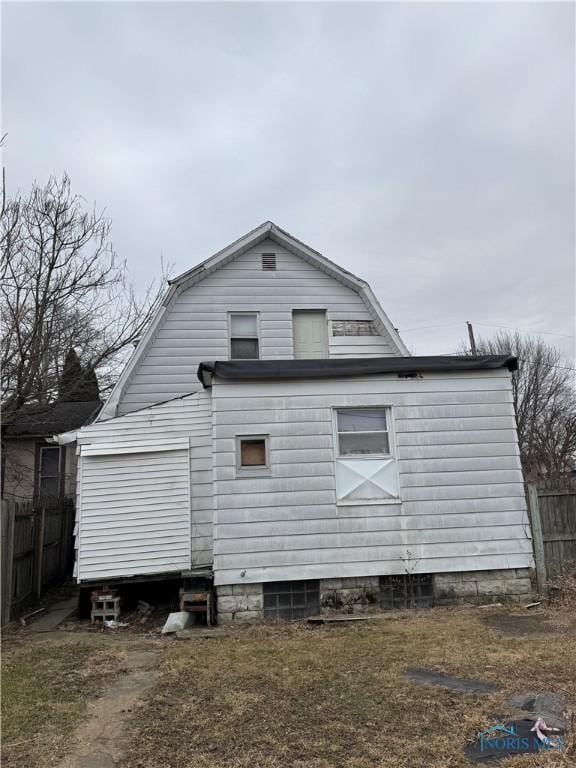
column 350, row 595
column 240, row 603
column 244, row 603
column 505, row 586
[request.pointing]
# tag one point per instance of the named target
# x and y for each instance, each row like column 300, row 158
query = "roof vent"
column 269, row 261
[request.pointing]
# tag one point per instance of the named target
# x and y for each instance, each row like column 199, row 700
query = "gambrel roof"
column 270, row 231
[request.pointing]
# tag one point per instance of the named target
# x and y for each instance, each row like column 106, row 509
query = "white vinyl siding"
column 195, row 326
column 461, row 499
column 135, row 518
column 143, row 451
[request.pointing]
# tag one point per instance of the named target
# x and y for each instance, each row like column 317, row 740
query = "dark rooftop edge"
column 265, row 370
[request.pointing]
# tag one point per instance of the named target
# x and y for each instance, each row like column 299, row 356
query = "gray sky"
column 429, row 148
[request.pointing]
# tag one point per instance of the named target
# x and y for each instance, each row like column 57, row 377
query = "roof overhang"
column 271, row 231
column 266, row 370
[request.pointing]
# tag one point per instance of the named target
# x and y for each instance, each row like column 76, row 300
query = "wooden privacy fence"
column 553, row 518
column 37, row 550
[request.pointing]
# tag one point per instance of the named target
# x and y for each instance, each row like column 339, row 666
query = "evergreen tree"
column 71, row 378
column 77, row 383
column 91, row 390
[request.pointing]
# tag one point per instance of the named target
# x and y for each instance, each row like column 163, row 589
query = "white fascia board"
column 65, row 438
column 349, row 279
column 372, row 301
column 108, row 410
column 234, row 249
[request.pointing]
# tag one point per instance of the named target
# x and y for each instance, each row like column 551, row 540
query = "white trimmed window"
column 363, row 432
column 244, row 336
column 366, row 469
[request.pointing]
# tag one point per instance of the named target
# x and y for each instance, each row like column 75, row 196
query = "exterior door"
column 310, row 333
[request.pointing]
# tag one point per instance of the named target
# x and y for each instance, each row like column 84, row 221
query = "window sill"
column 265, row 472
column 368, row 502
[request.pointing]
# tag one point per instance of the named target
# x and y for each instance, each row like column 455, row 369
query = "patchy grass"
column 45, row 685
column 336, row 696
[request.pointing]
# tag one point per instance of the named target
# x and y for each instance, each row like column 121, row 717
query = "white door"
column 310, row 332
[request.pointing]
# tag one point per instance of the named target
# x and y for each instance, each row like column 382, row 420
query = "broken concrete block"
column 176, row 622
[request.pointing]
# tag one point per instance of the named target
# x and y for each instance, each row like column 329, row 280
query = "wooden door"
column 310, row 333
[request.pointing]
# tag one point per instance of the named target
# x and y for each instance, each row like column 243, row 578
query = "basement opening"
column 406, row 591
column 291, row 599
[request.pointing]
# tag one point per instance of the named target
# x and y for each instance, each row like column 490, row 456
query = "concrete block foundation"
column 244, row 603
column 513, row 585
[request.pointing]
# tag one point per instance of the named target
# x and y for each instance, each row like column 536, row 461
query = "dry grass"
column 45, row 685
column 336, row 696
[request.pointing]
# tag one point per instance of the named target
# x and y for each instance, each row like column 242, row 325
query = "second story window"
column 244, row 340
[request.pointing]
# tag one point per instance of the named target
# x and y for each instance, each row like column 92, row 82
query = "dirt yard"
column 280, row 696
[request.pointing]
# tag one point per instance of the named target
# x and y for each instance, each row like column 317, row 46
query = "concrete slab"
column 462, row 684
column 55, row 614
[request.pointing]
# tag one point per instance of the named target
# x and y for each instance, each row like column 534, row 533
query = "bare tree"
column 62, row 286
column 544, row 395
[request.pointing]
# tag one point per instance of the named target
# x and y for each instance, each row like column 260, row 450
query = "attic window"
column 269, row 262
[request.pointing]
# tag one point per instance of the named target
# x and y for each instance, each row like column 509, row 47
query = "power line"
column 425, row 327
column 489, row 325
column 524, row 330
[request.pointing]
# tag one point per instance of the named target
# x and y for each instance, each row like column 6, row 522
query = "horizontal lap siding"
column 462, row 503
column 195, row 327
column 134, row 547
column 150, row 512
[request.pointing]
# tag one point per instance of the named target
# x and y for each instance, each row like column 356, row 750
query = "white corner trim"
column 371, row 299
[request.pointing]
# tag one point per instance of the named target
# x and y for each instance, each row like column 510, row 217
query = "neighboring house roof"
column 268, row 230
column 359, row 366
column 50, row 419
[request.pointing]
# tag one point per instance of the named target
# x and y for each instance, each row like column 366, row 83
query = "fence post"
column 68, row 519
column 8, row 515
column 40, row 521
column 537, row 538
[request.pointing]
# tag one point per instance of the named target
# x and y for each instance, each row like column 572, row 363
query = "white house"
column 271, row 425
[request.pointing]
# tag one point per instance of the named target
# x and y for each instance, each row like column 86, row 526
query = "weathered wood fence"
column 553, row 519
column 37, row 551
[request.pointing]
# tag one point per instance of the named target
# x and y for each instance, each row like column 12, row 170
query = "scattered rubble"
column 546, row 705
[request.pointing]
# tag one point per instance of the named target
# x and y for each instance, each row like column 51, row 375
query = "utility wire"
column 524, row 330
column 488, row 325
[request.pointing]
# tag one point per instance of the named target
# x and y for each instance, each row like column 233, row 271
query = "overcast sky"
column 428, row 148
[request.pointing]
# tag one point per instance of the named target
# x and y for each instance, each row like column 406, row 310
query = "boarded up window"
column 406, row 591
column 253, row 452
column 354, row 328
column 291, row 599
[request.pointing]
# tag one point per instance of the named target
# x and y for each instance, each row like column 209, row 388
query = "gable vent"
column 268, row 261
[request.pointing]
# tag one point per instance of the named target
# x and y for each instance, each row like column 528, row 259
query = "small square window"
column 244, row 340
column 252, row 452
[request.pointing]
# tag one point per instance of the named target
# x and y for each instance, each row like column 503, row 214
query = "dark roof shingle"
column 49, row 419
